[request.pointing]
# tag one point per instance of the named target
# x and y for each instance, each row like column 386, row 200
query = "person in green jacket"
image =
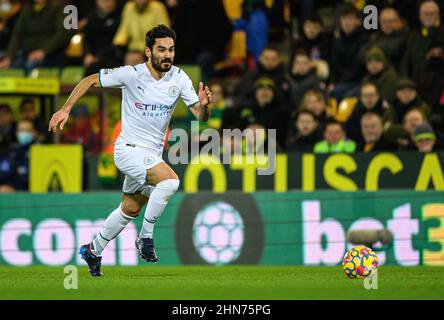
column 39, row 37
column 381, row 73
column 335, row 140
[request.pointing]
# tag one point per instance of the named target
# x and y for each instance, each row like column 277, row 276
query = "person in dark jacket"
column 314, row 40
column 372, row 129
column 204, row 29
column 265, row 108
column 304, row 77
column 39, row 37
column 19, row 157
column 7, row 127
column 304, row 132
column 431, row 79
column 415, row 60
column 102, row 26
column 380, row 72
column 270, row 66
column 9, row 12
column 369, row 101
column 347, row 55
column 407, row 98
column 391, row 38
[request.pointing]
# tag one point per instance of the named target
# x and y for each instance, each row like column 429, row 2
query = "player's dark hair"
column 161, row 31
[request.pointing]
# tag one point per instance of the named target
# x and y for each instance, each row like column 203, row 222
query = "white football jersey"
column 147, row 103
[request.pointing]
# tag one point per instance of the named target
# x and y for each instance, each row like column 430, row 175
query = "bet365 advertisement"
column 271, row 228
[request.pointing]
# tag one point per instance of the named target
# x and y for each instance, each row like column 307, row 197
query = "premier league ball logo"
column 218, row 233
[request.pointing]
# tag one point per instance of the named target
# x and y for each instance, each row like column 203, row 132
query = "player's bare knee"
column 131, row 208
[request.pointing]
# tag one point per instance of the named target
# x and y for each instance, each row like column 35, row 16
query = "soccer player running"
column 150, row 92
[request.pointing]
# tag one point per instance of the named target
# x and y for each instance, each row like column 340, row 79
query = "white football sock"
column 159, row 197
column 113, row 225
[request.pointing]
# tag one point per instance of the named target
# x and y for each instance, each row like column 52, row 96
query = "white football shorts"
column 133, row 161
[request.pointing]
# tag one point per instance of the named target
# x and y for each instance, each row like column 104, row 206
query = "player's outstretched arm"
column 60, row 117
column 201, row 110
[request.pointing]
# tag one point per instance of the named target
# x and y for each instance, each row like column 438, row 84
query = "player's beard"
column 157, row 64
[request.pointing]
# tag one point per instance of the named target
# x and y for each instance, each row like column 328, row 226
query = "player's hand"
column 205, row 95
column 58, row 119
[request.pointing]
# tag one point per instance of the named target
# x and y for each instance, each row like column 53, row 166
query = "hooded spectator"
column 380, row 72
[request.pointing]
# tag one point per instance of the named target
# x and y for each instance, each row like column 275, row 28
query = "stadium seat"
column 12, row 73
column 71, row 75
column 44, row 73
column 75, row 47
column 346, row 108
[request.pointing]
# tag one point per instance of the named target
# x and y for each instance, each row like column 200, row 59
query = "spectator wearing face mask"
column 18, row 158
column 304, row 132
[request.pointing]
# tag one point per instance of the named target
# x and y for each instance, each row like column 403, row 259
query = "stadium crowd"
column 307, row 68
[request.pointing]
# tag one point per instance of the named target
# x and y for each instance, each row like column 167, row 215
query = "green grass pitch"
column 229, row 282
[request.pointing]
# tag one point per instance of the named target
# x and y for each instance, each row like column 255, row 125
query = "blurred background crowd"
column 307, row 68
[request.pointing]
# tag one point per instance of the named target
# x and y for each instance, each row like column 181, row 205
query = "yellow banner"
column 29, row 86
column 55, row 168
